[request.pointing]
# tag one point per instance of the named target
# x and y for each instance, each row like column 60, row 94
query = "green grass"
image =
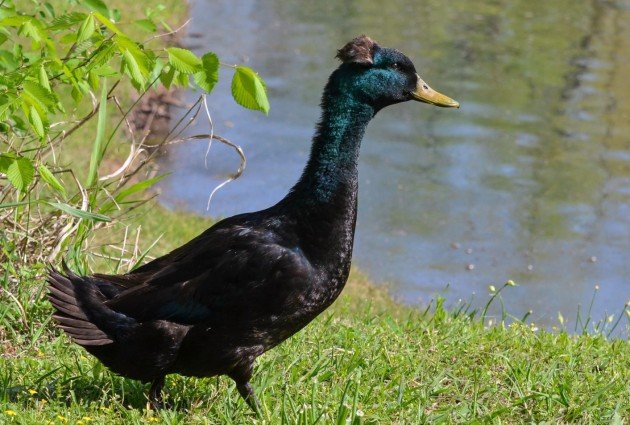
column 367, row 360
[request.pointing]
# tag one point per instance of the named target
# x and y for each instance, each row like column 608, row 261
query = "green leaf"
column 93, row 80
column 138, row 187
column 66, row 21
column 104, row 54
column 7, row 106
column 43, row 78
column 40, row 93
column 79, row 213
column 5, row 161
column 167, row 77
column 146, row 24
column 105, row 71
column 15, row 21
column 209, row 74
column 50, row 178
column 33, row 30
column 141, row 62
column 133, row 68
column 97, row 150
column 248, row 90
column 20, row 173
column 76, row 94
column 36, row 122
column 135, row 188
column 97, row 6
column 83, row 46
column 50, row 9
column 86, row 29
column 183, row 60
column 182, row 79
column 15, row 204
column 79, row 89
column 158, row 65
column 8, row 60
column 69, row 38
column 3, row 38
column 105, row 21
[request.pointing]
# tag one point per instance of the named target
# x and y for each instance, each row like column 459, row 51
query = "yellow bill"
column 426, row 94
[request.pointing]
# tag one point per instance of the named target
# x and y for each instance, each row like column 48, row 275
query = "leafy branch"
column 52, row 62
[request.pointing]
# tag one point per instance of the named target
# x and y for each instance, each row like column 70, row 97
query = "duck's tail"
column 80, row 309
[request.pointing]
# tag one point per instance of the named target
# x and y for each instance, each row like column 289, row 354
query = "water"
column 529, row 180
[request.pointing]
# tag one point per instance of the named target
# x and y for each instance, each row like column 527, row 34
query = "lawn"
column 366, row 360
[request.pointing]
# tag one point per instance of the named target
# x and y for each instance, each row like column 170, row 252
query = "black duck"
column 249, row 282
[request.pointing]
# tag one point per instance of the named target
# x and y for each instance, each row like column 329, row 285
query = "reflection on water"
column 529, row 180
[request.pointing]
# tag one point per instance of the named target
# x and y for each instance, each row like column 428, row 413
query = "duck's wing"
column 232, row 273
column 166, row 265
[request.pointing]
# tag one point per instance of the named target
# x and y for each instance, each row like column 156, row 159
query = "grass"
column 367, row 360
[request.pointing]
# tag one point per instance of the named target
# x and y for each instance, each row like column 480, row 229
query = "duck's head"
column 381, row 76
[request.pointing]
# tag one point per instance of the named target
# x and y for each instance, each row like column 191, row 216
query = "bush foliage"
column 61, row 69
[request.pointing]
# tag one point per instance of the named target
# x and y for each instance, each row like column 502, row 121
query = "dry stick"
column 205, row 159
column 133, row 151
column 160, row 144
column 210, row 137
column 164, row 142
column 133, row 105
column 191, row 120
column 167, row 33
column 225, row 141
column 234, row 176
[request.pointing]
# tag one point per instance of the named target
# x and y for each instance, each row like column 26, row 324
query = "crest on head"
column 360, row 50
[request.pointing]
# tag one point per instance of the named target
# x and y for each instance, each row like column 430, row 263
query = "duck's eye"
column 396, row 65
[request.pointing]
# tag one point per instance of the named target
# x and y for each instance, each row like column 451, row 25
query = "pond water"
column 529, row 180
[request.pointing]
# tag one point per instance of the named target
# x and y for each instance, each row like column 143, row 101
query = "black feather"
column 215, row 304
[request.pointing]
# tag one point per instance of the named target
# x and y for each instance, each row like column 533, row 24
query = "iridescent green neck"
column 331, row 170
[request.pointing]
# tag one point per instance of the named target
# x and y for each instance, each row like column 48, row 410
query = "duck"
column 214, row 305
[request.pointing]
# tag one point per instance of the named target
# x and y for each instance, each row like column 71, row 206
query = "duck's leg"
column 242, row 376
column 247, row 392
column 155, row 393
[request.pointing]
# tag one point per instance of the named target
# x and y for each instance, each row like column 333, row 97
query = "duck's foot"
column 155, row 393
column 241, row 376
column 247, row 392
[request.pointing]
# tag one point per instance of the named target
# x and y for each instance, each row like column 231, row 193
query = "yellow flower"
column 87, row 418
column 62, row 418
column 80, row 422
column 153, row 419
column 32, row 392
column 10, row 412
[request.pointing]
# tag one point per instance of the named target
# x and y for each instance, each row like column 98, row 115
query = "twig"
column 168, row 33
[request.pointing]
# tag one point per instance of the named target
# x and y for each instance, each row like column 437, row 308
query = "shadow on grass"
column 104, row 389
